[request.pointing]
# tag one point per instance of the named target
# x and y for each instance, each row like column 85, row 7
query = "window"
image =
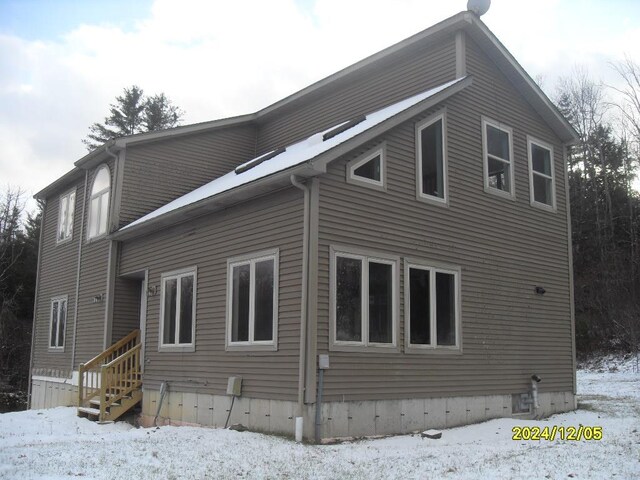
column 178, row 310
column 99, row 203
column 252, row 301
column 58, row 323
column 541, row 178
column 431, row 159
column 65, row 216
column 498, row 158
column 364, row 289
column 368, row 170
column 432, row 299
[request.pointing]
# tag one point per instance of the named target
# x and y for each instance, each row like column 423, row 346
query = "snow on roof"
column 292, row 156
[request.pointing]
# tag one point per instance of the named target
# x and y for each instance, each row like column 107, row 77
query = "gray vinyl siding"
column 159, row 172
column 126, row 311
column 58, row 264
column 504, row 249
column 93, row 282
column 383, row 83
column 274, row 221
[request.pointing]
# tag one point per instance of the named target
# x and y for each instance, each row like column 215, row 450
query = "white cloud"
column 220, row 58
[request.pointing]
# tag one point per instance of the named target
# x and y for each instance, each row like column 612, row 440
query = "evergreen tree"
column 18, row 266
column 134, row 113
column 160, row 113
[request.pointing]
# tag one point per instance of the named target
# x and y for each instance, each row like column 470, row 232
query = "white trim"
column 144, row 285
column 432, row 268
column 546, row 146
column 73, row 381
column 251, row 260
column 485, row 159
column 420, row 195
column 177, row 275
column 365, row 256
column 361, row 160
column 100, row 196
column 71, row 210
column 58, row 299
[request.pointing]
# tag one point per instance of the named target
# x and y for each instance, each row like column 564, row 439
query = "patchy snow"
column 55, row 444
column 293, row 155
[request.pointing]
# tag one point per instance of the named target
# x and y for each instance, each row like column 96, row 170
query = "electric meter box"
column 234, row 386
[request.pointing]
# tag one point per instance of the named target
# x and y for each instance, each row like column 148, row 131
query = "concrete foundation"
column 53, row 392
column 341, row 419
column 348, row 419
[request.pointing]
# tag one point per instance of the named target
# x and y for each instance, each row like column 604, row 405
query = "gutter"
column 304, row 301
column 35, row 306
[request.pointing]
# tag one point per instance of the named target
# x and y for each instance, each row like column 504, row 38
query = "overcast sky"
column 62, row 62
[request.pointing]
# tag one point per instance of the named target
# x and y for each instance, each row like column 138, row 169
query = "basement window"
column 432, row 310
column 178, row 310
column 252, row 301
column 58, row 323
column 369, row 169
column 497, row 147
column 364, row 290
column 541, row 178
column 65, row 216
column 431, row 159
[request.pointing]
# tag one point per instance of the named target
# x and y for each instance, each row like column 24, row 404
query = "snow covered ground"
column 55, row 444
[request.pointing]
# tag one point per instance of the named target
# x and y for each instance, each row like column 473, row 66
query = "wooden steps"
column 110, row 383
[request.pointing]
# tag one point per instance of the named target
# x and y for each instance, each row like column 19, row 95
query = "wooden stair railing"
column 111, row 375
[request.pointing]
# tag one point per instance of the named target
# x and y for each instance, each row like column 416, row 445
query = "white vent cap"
column 479, row 7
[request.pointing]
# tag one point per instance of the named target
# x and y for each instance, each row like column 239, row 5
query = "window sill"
column 56, row 349
column 544, row 206
column 177, row 348
column 96, row 239
column 417, row 350
column 378, row 348
column 65, row 241
column 372, row 184
column 433, row 200
column 251, row 347
column 500, row 193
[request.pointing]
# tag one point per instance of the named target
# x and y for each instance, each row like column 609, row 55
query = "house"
column 403, row 224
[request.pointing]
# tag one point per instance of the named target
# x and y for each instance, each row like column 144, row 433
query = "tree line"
column 605, row 204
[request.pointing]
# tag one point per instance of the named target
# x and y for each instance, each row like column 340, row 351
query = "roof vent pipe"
column 479, row 7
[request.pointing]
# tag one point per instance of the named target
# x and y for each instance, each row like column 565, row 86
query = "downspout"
column 35, row 305
column 303, row 310
column 77, row 300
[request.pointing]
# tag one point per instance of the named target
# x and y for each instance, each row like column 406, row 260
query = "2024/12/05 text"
column 575, row 434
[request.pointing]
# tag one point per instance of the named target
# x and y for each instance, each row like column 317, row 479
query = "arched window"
column 99, row 205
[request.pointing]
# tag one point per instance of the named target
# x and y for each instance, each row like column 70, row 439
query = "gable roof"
column 306, row 158
column 466, row 21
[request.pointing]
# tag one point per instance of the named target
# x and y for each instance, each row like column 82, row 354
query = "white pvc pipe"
column 299, row 427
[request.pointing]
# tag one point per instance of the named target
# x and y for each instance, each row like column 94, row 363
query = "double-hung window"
column 252, row 301
column 99, row 203
column 58, row 323
column 178, row 310
column 497, row 143
column 432, row 159
column 541, row 178
column 65, row 216
column 363, row 300
column 432, row 311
